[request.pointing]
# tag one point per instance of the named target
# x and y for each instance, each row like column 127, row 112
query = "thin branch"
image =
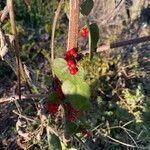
column 120, row 44
column 130, row 42
column 130, row 136
column 131, row 121
column 54, row 28
column 23, row 97
column 22, row 116
column 122, row 143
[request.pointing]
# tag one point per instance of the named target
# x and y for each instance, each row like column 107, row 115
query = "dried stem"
column 120, row 44
column 23, row 97
column 129, row 42
column 54, row 28
column 23, row 116
column 14, row 32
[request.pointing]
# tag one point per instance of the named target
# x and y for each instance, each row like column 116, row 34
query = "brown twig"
column 73, row 24
column 23, row 97
column 120, row 44
column 23, row 116
column 130, row 42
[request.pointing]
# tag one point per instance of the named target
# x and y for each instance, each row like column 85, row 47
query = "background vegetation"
column 118, row 79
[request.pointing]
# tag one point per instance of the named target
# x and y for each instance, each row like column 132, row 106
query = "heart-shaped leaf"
column 73, row 86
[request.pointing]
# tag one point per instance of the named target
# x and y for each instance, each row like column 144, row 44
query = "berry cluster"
column 84, row 32
column 69, row 57
column 72, row 113
column 53, row 107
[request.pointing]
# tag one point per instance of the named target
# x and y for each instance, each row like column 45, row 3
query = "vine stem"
column 74, row 12
column 73, row 23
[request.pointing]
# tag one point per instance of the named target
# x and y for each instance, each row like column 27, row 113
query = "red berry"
column 70, row 62
column 68, row 56
column 84, row 32
column 73, row 52
column 72, row 67
column 73, row 71
column 52, row 107
column 84, row 35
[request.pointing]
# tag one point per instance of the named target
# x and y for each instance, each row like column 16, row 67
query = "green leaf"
column 81, row 89
column 77, row 91
column 53, row 141
column 86, row 7
column 69, row 88
column 60, row 69
column 77, row 94
column 94, row 35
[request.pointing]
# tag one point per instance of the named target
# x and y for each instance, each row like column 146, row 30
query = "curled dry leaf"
column 25, row 136
column 21, row 143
